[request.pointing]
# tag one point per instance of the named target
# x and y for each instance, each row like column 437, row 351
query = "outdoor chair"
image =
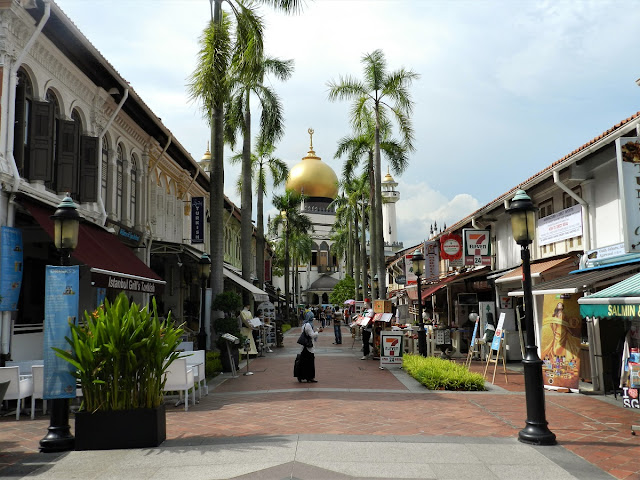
column 197, row 358
column 37, row 374
column 180, row 378
column 19, row 388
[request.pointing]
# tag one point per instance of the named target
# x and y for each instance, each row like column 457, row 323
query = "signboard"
column 125, row 234
column 560, row 226
column 408, row 265
column 495, row 344
column 594, row 256
column 382, row 306
column 506, row 302
column 475, row 331
column 451, row 247
column 431, row 261
column 60, row 308
column 628, row 158
column 391, row 349
column 560, row 341
column 401, row 279
column 10, row 268
column 197, row 220
column 122, row 281
column 477, row 246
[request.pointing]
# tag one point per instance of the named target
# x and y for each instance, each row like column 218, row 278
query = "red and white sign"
column 451, row 247
column 477, row 246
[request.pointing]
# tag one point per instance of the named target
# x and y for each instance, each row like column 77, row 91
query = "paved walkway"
column 357, row 422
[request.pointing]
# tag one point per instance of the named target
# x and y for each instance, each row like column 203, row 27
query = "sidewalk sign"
column 391, row 348
column 497, row 346
column 467, row 363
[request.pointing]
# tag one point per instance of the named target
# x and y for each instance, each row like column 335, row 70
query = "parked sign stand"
column 391, row 349
column 474, row 342
column 497, row 346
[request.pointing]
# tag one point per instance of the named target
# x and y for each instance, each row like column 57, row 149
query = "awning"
column 429, row 290
column 159, row 247
column 112, row 263
column 258, row 294
column 537, row 269
column 579, row 282
column 626, row 292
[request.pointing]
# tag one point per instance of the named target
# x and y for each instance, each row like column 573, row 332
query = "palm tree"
column 300, row 244
column 289, row 221
column 263, row 164
column 383, row 94
column 210, row 84
column 238, row 120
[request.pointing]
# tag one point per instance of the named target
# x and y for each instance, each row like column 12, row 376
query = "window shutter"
column 18, row 130
column 67, row 157
column 41, row 155
column 88, row 187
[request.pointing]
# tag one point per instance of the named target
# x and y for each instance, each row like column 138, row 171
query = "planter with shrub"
column 121, row 353
column 438, row 374
column 230, row 304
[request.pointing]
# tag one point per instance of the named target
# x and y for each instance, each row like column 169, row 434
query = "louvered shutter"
column 41, row 155
column 67, row 157
column 88, row 187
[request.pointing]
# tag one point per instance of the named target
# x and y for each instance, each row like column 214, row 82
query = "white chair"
column 37, row 374
column 180, row 378
column 19, row 388
column 196, row 358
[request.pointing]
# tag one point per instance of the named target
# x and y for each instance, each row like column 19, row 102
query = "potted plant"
column 230, row 304
column 121, row 353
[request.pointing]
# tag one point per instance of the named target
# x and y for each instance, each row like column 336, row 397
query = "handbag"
column 305, row 340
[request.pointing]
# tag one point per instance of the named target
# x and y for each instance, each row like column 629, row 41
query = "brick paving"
column 355, row 397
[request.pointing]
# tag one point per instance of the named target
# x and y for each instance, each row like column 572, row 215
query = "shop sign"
column 401, row 279
column 408, row 265
column 560, row 226
column 451, row 247
column 60, row 309
column 197, row 220
column 506, row 302
column 431, row 261
column 560, row 341
column 126, row 235
column 121, row 282
column 477, row 246
column 630, row 397
column 628, row 158
column 391, row 348
column 10, row 268
column 611, row 251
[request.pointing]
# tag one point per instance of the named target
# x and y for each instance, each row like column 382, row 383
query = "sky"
column 506, row 88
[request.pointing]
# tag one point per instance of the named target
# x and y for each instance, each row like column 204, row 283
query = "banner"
column 560, row 342
column 431, row 261
column 60, row 308
column 197, row 220
column 410, row 277
column 477, row 246
column 560, row 226
column 10, row 268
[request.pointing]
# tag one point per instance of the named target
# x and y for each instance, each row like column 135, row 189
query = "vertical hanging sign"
column 628, row 157
column 197, row 220
column 431, row 261
column 60, row 309
column 10, row 268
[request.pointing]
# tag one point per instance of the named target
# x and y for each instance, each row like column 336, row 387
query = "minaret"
column 205, row 162
column 389, row 198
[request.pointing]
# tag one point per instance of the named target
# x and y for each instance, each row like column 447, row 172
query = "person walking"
column 366, row 336
column 307, row 364
column 337, row 332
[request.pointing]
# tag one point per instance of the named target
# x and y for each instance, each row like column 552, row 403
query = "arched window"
column 119, row 179
column 104, row 174
column 22, row 125
column 134, row 189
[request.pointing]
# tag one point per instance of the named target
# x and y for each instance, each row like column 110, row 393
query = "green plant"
column 213, row 364
column 229, row 303
column 343, row 290
column 437, row 374
column 121, row 353
column 285, row 328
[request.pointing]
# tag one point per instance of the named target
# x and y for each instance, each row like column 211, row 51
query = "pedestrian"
column 323, row 317
column 489, row 333
column 337, row 332
column 307, row 364
column 366, row 337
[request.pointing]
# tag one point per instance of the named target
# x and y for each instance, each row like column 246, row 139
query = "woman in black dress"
column 307, row 363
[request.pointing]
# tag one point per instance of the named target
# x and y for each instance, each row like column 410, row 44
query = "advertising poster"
column 560, row 343
column 10, row 268
column 60, row 308
column 391, row 348
column 475, row 332
column 560, row 226
column 497, row 338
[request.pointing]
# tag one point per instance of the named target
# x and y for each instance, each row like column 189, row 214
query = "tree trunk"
column 363, row 250
column 260, row 238
column 356, row 253
column 381, row 264
column 246, row 228
column 287, row 259
column 349, row 253
column 373, row 223
column 216, row 192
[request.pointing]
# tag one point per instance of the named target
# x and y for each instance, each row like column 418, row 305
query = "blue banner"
column 475, row 331
column 101, row 294
column 197, row 220
column 10, row 268
column 60, row 308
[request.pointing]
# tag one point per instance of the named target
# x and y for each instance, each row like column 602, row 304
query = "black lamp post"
column 66, row 222
column 523, row 226
column 204, row 271
column 418, row 270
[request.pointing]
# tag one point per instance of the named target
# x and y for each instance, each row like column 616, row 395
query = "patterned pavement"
column 355, row 398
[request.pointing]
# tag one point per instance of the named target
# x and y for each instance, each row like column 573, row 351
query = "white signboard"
column 411, row 278
column 391, row 348
column 628, row 156
column 477, row 246
column 495, row 345
column 593, row 256
column 431, row 261
column 560, row 226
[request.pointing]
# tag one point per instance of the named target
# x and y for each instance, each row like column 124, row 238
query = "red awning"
column 112, row 263
column 429, row 290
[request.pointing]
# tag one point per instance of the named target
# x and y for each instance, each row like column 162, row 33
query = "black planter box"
column 145, row 427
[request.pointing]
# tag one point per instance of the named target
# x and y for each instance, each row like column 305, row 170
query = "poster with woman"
column 560, row 343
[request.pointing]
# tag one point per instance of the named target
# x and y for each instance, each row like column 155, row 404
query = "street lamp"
column 204, row 271
column 418, row 270
column 66, row 222
column 536, row 432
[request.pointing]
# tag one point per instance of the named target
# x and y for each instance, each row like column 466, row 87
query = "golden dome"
column 387, row 178
column 313, row 177
column 205, row 161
